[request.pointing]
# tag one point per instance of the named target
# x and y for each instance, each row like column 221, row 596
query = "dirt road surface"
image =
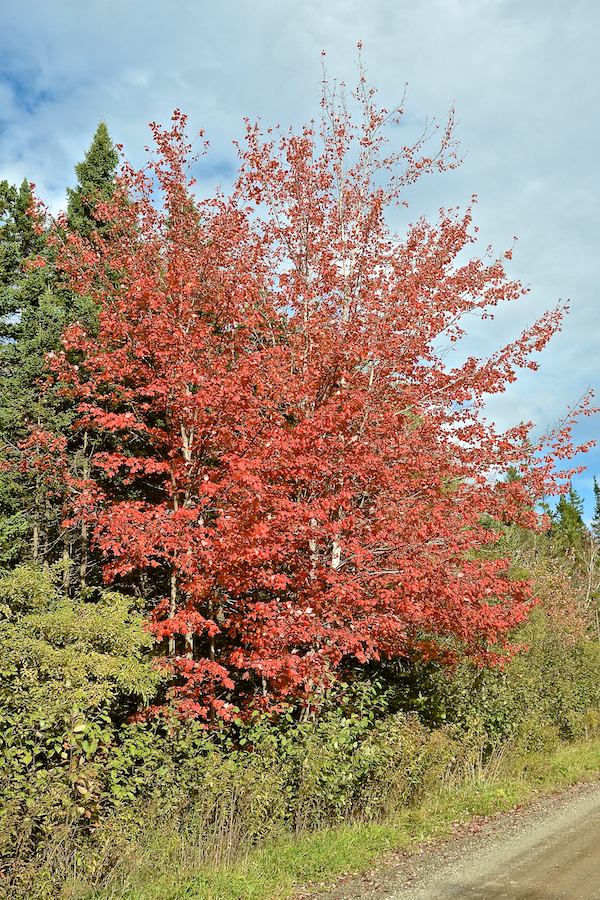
column 548, row 851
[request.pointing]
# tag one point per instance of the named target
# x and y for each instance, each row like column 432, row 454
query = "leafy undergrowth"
column 96, row 807
column 162, row 867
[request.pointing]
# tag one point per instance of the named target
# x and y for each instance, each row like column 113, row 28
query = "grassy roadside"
column 161, row 869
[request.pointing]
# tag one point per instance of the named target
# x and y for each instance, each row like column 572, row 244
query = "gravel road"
column 547, row 851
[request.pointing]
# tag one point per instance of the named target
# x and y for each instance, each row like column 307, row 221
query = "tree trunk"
column 48, row 523
column 173, row 607
column 36, row 522
column 66, row 559
column 84, row 538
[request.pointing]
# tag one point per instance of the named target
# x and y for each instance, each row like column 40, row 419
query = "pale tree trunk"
column 211, row 646
column 213, row 656
column 312, row 545
column 173, row 607
column 48, row 522
column 83, row 562
column 347, row 272
column 336, row 555
column 66, row 560
column 84, row 538
column 311, row 709
column 187, row 440
column 36, row 522
column 336, row 550
column 35, row 549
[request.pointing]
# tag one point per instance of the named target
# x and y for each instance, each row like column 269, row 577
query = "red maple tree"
column 283, row 456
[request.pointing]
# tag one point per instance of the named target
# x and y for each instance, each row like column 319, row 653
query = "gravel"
column 548, row 850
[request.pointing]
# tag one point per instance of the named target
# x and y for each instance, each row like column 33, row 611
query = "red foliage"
column 284, row 449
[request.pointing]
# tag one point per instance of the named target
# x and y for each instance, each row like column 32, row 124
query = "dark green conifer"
column 96, row 178
column 30, row 326
column 568, row 520
column 596, row 517
column 34, row 311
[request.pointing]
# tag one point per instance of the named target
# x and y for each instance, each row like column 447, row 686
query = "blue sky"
column 523, row 75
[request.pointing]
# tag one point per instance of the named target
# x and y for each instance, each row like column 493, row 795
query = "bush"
column 84, row 789
column 69, row 670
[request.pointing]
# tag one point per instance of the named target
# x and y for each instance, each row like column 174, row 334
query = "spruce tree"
column 18, row 243
column 596, row 518
column 34, row 311
column 568, row 525
column 96, row 175
column 30, row 326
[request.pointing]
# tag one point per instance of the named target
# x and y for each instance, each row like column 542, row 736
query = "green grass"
column 164, row 868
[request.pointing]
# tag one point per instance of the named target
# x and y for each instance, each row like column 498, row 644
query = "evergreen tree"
column 568, row 524
column 30, row 326
column 19, row 242
column 96, row 175
column 596, row 518
column 34, row 311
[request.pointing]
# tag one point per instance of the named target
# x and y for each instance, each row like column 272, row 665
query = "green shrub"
column 67, row 670
column 549, row 691
column 84, row 788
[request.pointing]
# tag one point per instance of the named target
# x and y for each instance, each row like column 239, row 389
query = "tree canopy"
column 290, row 473
column 96, row 175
